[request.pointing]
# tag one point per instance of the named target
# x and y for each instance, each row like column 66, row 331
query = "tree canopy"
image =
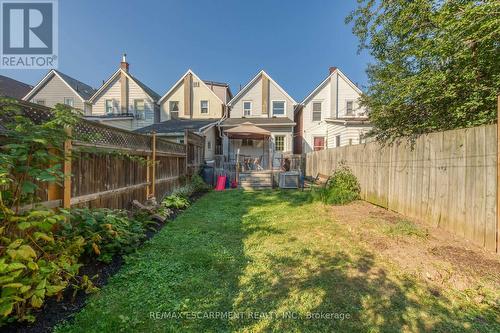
column 436, row 64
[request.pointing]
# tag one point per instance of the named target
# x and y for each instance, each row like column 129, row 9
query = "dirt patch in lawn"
column 430, row 253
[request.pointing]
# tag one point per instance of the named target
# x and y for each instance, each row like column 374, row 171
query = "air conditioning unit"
column 290, row 179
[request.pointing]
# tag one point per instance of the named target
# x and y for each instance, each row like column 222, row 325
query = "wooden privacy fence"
column 195, row 150
column 448, row 179
column 110, row 167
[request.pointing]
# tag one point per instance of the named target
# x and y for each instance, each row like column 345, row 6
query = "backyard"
column 274, row 260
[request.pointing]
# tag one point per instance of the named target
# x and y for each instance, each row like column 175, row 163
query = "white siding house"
column 330, row 116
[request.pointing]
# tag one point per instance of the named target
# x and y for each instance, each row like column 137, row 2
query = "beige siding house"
column 57, row 87
column 330, row 116
column 265, row 104
column 192, row 98
column 125, row 102
column 194, row 105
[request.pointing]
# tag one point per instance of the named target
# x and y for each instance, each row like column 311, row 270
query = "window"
column 40, row 101
column 173, row 107
column 278, row 108
column 109, row 106
column 204, row 106
column 350, row 108
column 316, row 111
column 279, row 142
column 247, row 108
column 209, row 145
column 247, row 142
column 69, row 101
column 337, row 141
column 139, row 109
column 180, row 140
column 196, row 84
column 319, row 143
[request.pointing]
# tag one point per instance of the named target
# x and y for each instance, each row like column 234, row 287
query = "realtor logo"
column 28, row 34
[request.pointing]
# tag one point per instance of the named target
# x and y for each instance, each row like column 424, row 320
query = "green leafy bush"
column 343, row 187
column 184, row 191
column 199, row 184
column 106, row 232
column 35, row 262
column 175, row 202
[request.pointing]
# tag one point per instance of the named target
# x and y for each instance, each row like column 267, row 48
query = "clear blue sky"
column 220, row 40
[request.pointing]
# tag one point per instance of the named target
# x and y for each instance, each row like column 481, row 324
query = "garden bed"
column 54, row 311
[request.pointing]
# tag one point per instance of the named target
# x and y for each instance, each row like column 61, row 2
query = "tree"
column 437, row 64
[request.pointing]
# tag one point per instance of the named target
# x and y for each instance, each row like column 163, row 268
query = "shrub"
column 175, row 202
column 199, row 184
column 35, row 263
column 343, row 187
column 184, row 191
column 106, row 232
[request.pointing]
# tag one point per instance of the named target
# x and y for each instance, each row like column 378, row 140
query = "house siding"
column 254, row 95
column 348, row 134
column 135, row 92
column 199, row 93
column 54, row 91
column 333, row 94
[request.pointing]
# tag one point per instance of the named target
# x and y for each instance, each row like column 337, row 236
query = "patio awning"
column 247, row 130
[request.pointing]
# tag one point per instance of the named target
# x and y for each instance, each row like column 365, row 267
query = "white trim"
column 189, row 71
column 251, row 108
column 111, row 79
column 249, row 84
column 284, row 108
column 336, row 71
column 46, row 78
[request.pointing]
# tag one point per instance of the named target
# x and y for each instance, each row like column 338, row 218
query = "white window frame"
column 176, row 113
column 208, row 106
column 346, row 110
column 106, row 106
column 67, row 99
column 141, row 116
column 284, row 143
column 251, row 107
column 320, row 111
column 284, row 108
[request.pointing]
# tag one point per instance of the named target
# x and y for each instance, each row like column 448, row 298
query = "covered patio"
column 249, row 148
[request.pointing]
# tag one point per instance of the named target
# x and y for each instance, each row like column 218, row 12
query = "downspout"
column 337, row 98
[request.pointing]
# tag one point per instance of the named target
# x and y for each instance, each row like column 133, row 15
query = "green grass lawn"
column 269, row 261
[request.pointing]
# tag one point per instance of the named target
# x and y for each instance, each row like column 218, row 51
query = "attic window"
column 174, row 108
column 316, row 114
column 350, row 108
column 204, row 106
column 278, row 108
column 196, row 84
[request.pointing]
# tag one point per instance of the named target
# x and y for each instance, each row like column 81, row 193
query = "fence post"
column 54, row 190
column 148, row 176
column 153, row 166
column 498, row 174
column 67, row 170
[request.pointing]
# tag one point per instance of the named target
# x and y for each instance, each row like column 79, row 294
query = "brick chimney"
column 332, row 69
column 124, row 107
column 124, row 64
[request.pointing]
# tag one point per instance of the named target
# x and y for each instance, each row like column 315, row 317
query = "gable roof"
column 178, row 125
column 189, row 71
column 13, row 88
column 249, row 84
column 82, row 90
column 342, row 75
column 150, row 92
